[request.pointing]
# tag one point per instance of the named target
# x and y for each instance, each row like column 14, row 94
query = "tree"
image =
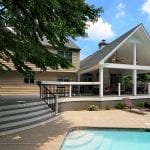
column 24, row 23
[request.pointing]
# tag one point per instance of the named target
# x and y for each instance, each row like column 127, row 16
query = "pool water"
column 100, row 139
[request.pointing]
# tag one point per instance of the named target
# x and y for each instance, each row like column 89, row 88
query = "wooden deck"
column 104, row 98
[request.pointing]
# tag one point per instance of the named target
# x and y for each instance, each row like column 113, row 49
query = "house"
column 15, row 83
column 127, row 56
column 109, row 67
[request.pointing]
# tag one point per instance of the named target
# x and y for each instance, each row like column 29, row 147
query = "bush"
column 140, row 105
column 93, row 108
column 119, row 106
column 107, row 108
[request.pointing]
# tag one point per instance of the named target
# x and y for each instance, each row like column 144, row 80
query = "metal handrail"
column 47, row 96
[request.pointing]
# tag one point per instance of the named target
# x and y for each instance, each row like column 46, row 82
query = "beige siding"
column 12, row 83
column 15, row 78
column 75, row 61
column 11, row 78
column 52, row 76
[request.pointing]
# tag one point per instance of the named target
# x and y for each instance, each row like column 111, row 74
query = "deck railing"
column 69, row 89
column 49, row 89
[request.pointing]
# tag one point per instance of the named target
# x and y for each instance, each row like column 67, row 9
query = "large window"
column 29, row 79
column 67, row 54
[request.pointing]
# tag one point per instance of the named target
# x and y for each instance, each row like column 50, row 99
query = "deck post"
column 134, row 76
column 70, row 90
column 56, row 104
column 101, row 81
column 135, row 82
column 41, row 90
column 119, row 89
column 149, row 88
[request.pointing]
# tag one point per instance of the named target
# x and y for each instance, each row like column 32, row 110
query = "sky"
column 119, row 16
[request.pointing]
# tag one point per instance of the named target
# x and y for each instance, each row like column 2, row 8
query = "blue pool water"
column 107, row 139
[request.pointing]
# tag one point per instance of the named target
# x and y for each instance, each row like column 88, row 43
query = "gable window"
column 67, row 54
column 29, row 79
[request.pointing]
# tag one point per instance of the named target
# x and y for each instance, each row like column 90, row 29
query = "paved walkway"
column 51, row 135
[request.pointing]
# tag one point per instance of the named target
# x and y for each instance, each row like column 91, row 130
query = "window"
column 63, row 79
column 29, row 79
column 67, row 54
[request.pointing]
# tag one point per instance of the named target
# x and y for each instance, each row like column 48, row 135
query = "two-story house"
column 13, row 82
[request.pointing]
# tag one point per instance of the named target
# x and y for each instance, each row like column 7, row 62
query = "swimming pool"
column 107, row 139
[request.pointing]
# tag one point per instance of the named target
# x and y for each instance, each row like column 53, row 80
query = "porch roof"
column 95, row 58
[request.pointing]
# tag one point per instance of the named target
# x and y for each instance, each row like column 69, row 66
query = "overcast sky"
column 119, row 16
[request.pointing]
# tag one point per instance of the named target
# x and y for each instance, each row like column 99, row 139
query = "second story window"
column 29, row 79
column 65, row 54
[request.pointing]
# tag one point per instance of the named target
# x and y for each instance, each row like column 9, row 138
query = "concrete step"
column 27, row 125
column 21, row 105
column 23, row 115
column 26, row 115
column 15, row 93
column 22, row 109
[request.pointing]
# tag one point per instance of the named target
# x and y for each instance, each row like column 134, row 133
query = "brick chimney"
column 102, row 44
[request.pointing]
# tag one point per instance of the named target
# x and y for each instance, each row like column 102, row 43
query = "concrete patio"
column 50, row 136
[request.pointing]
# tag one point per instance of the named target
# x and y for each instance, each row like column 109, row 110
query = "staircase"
column 18, row 113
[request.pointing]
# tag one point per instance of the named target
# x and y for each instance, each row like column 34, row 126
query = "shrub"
column 107, row 108
column 140, row 105
column 119, row 106
column 93, row 108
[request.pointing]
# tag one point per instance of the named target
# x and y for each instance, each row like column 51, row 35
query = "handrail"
column 47, row 96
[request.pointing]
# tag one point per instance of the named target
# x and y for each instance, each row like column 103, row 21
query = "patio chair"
column 128, row 104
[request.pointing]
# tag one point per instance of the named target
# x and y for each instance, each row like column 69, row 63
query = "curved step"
column 23, row 121
column 28, row 126
column 22, row 116
column 20, row 110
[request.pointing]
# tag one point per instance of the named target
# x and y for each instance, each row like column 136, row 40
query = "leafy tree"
column 24, row 23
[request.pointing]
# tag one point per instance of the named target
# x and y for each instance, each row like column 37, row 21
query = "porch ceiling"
column 125, row 52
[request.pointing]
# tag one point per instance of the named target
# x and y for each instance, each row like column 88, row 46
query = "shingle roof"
column 95, row 58
column 72, row 45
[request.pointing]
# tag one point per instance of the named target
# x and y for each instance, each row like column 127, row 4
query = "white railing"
column 71, row 88
column 141, row 89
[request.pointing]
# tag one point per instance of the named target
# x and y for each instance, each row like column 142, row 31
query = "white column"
column 78, row 77
column 101, row 81
column 41, row 90
column 134, row 54
column 119, row 89
column 149, row 88
column 70, row 90
column 56, row 104
column 134, row 77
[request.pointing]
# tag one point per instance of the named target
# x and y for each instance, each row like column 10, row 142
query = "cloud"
column 146, row 7
column 120, row 10
column 99, row 30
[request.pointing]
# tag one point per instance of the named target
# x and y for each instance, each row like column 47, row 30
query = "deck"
column 104, row 98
